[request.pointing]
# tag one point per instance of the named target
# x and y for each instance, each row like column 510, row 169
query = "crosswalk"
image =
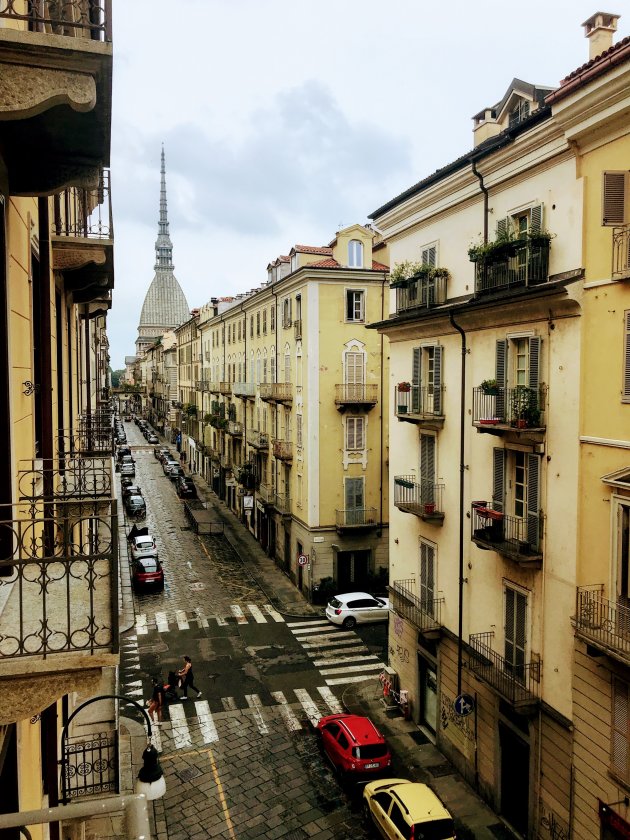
column 340, row 656
column 165, row 622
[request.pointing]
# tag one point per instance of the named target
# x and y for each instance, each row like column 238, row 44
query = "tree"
column 116, row 375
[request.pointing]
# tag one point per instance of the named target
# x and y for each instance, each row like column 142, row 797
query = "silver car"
column 357, row 608
column 143, row 547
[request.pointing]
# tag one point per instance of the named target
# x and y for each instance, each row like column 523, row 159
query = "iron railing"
column 276, row 391
column 65, row 478
column 90, row 766
column 356, row 518
column 602, row 622
column 420, row 401
column 83, row 213
column 526, row 264
column 513, row 536
column 59, row 570
column 245, row 390
column 202, row 385
column 265, row 493
column 282, row 503
column 518, row 683
column 621, row 253
column 358, row 393
column 235, row 428
column 86, row 440
column 283, row 450
column 420, row 292
column 424, row 612
column 519, row 407
column 75, row 18
column 257, row 439
column 225, row 388
column 422, row 498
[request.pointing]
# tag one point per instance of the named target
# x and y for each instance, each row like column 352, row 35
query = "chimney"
column 599, row 29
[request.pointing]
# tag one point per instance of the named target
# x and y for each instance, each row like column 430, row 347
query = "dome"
column 165, row 305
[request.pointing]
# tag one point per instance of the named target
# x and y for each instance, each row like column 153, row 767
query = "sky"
column 285, row 120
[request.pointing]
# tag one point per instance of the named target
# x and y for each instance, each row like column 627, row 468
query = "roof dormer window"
column 519, row 112
column 355, row 253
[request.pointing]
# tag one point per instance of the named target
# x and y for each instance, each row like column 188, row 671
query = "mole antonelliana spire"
column 165, row 306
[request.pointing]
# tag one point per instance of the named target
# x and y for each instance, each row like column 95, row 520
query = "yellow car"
column 404, row 810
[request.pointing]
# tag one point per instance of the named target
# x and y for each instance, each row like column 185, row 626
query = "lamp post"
column 150, row 780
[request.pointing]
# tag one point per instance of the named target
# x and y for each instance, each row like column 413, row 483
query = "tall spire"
column 163, row 244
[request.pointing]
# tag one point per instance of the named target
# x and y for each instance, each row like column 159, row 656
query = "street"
column 242, row 761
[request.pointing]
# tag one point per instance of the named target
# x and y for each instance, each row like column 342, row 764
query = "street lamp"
column 150, row 781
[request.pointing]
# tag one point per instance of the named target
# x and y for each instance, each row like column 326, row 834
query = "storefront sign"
column 615, row 827
column 260, row 506
column 248, row 502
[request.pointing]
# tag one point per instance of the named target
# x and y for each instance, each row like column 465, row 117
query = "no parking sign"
column 302, row 559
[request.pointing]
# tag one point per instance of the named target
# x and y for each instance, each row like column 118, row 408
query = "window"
column 623, row 553
column 517, row 363
column 519, row 112
column 295, row 262
column 516, row 491
column 298, row 429
column 299, row 490
column 625, row 393
column 428, row 255
column 264, row 322
column 355, row 253
column 515, row 632
column 354, row 369
column 426, row 380
column 251, row 326
column 287, row 366
column 355, row 433
column 286, row 312
column 427, row 577
column 521, row 223
column 427, row 469
column 355, row 309
column 397, row 818
column 264, row 379
column 615, row 198
column 272, row 319
column 620, row 732
column 273, row 368
column 258, row 370
column 239, row 330
column 258, row 323
column 354, row 499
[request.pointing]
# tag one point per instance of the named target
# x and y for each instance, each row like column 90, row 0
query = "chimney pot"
column 599, row 29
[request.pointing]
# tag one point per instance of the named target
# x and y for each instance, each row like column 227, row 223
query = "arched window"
column 355, row 253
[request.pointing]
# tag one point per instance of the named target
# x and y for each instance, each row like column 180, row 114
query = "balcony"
column 90, row 437
column 235, row 428
column 499, row 410
column 55, row 92
column 257, row 439
column 245, row 476
column 59, row 596
column 265, row 493
column 518, row 684
column 356, row 396
column 423, row 406
column 283, row 450
column 602, row 623
column 621, row 253
column 423, row 612
column 514, row 537
column 420, row 293
column 521, row 263
column 423, row 499
column 225, row 388
column 226, row 461
column 82, row 240
column 202, row 385
column 244, row 390
column 276, row 392
column 356, row 519
column 65, row 478
column 282, row 503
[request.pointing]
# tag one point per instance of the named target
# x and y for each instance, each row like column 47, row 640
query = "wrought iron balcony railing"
column 225, row 388
column 244, row 390
column 202, row 385
column 235, row 428
column 276, row 391
column 87, row 439
column 282, row 503
column 65, row 478
column 524, row 264
column 84, row 213
column 266, row 493
column 283, row 450
column 59, row 570
column 356, row 518
column 420, row 292
column 518, row 538
column 603, row 623
column 258, row 439
column 424, row 611
column 75, row 18
column 356, row 394
column 419, row 403
column 518, row 683
column 502, row 408
column 621, row 253
column 423, row 499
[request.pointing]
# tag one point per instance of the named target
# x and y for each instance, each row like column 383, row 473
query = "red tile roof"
column 595, row 67
column 328, row 263
column 310, row 249
column 377, row 266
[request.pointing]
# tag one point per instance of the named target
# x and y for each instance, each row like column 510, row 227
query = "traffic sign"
column 302, row 559
column 464, row 705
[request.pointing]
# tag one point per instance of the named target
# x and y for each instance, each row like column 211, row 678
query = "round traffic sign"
column 464, row 705
column 302, row 559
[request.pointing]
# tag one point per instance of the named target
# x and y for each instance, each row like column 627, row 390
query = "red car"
column 353, row 744
column 147, row 574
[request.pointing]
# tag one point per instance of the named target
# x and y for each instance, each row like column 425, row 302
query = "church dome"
column 165, row 304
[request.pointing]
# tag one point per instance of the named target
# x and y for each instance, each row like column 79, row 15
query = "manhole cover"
column 419, row 737
column 195, row 587
column 189, row 774
column 441, row 770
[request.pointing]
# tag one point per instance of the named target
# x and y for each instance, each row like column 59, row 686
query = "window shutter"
column 534, row 362
column 509, row 625
column 429, row 256
column 503, row 227
column 427, row 577
column 626, row 359
column 427, row 468
column 498, row 478
column 620, row 735
column 359, row 433
column 437, row 380
column 614, row 189
column 536, row 217
column 533, row 500
column 501, row 376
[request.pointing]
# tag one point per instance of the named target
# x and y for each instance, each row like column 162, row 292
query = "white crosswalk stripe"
column 202, row 621
column 331, row 643
column 307, row 624
column 292, row 723
column 238, row 614
column 141, row 625
column 351, row 669
column 356, row 679
column 253, row 701
column 309, row 706
column 182, row 621
column 156, row 737
column 229, row 704
column 162, row 622
column 331, row 701
column 259, row 618
column 207, row 726
column 341, row 657
column 273, row 613
column 222, row 622
column 180, row 731
column 343, row 660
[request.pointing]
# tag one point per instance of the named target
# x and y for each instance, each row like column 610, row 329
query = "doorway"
column 351, row 570
column 514, row 804
column 428, row 694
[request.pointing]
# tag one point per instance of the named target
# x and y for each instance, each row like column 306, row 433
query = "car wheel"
column 349, row 622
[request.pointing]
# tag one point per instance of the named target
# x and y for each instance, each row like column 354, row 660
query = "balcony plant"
column 490, row 387
column 524, row 405
column 539, row 236
column 403, row 387
column 403, row 482
column 190, row 410
column 403, row 271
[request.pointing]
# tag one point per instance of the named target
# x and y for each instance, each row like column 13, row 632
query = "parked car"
column 185, row 487
column 128, row 469
column 158, row 451
column 131, row 490
column 143, row 546
column 122, row 451
column 353, row 744
column 357, row 608
column 126, row 481
column 136, row 507
column 400, row 808
column 175, row 472
column 153, row 439
column 147, row 573
column 167, row 464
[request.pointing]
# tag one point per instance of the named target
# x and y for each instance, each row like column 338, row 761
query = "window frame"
column 355, row 429
column 356, row 250
column 355, row 314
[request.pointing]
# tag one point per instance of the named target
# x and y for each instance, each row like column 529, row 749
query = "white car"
column 143, row 547
column 357, row 608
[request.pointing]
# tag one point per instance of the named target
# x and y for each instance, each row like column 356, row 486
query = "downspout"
column 277, row 323
column 462, row 467
column 46, row 330
column 380, row 516
column 484, row 190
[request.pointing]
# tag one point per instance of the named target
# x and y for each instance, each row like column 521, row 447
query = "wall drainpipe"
column 462, row 467
column 486, row 210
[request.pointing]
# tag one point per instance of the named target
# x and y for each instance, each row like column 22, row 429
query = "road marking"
column 329, row 698
column 221, row 621
column 219, row 787
column 326, row 637
column 312, row 712
column 333, row 653
column 238, row 614
column 182, row 621
column 292, row 723
column 180, row 733
column 202, row 621
column 341, row 680
column 206, row 724
column 342, row 660
column 305, row 631
column 258, row 616
column 351, row 669
column 330, row 643
column 306, row 623
column 156, row 738
column 134, row 689
column 162, row 622
column 253, row 701
column 229, row 704
column 141, row 625
column 273, row 613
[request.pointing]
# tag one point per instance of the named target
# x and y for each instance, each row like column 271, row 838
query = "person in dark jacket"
column 188, row 678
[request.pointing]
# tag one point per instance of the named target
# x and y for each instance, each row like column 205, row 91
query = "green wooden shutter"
column 498, row 478
column 437, row 380
column 533, row 501
column 503, row 227
column 501, row 376
column 534, row 362
column 416, row 380
column 427, row 468
column 429, row 256
column 515, row 635
column 427, row 577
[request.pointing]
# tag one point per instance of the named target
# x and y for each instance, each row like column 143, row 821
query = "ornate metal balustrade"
column 621, row 253
column 424, row 612
column 525, row 264
column 603, row 623
column 90, row 765
column 89, row 438
column 265, row 493
column 282, row 503
column 76, row 18
column 519, row 683
column 225, row 388
column 276, row 391
column 257, row 439
column 356, row 394
column 59, row 575
column 356, row 518
column 84, row 214
column 65, row 478
column 423, row 499
column 235, row 428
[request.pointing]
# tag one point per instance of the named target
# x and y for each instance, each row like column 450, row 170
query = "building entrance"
column 514, row 779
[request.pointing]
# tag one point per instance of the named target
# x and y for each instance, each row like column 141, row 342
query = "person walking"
column 157, row 701
column 188, row 678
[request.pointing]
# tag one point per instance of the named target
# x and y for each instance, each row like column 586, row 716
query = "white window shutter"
column 536, row 218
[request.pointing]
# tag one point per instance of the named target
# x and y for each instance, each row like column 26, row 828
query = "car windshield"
column 435, row 830
column 149, row 564
column 136, row 501
column 336, row 603
column 144, row 544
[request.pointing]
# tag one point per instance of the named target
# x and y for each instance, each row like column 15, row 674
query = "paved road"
column 242, row 760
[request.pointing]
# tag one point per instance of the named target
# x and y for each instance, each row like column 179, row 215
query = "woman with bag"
column 188, row 678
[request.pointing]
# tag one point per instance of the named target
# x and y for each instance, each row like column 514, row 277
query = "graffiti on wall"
column 551, row 826
column 459, row 730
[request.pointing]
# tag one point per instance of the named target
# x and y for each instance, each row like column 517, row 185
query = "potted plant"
column 525, row 410
column 404, row 387
column 490, row 387
column 539, row 236
column 429, row 508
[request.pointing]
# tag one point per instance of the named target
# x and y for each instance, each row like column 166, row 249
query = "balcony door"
column 354, row 374
column 516, row 492
column 354, row 501
column 427, row 578
column 515, row 632
column 426, row 380
column 623, row 564
column 427, row 469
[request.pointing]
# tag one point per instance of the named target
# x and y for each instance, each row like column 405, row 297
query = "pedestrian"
column 188, row 678
column 157, row 701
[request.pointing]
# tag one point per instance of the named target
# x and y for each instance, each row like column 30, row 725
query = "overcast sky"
column 284, row 120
